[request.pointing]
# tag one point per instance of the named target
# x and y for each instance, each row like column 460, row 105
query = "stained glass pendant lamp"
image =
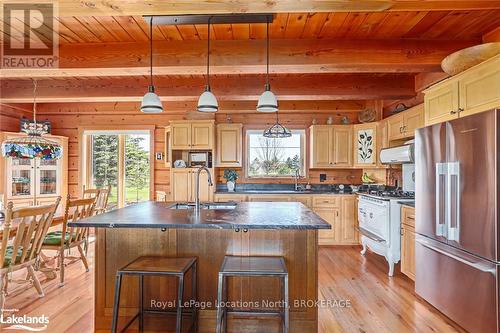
column 151, row 103
column 207, row 101
column 33, row 144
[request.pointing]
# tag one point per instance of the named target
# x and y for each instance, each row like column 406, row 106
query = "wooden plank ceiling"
column 465, row 25
column 322, row 56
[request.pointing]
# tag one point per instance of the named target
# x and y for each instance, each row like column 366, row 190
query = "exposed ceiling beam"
column 176, row 7
column 233, row 88
column 492, row 36
column 122, row 108
column 247, row 57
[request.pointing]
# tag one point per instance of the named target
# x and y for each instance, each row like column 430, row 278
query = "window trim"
column 84, row 176
column 303, row 143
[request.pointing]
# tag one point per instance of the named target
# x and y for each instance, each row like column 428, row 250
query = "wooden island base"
column 115, row 247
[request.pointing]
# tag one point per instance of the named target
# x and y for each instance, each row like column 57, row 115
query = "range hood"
column 397, row 155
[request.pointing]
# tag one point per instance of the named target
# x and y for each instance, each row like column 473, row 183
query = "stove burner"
column 393, row 194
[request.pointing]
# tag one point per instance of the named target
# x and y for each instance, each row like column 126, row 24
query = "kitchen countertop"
column 283, row 192
column 246, row 215
column 407, row 203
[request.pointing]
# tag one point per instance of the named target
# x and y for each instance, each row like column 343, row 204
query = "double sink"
column 206, row 205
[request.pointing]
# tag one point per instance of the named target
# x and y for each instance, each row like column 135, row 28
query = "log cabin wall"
column 67, row 117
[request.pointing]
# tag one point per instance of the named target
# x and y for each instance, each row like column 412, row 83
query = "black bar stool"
column 156, row 266
column 251, row 266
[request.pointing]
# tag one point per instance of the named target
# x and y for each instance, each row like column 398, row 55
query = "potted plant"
column 230, row 176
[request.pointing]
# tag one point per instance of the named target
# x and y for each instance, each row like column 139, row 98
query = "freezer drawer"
column 462, row 286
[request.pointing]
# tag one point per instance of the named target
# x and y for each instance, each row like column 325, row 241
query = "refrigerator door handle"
column 441, row 171
column 477, row 265
column 453, row 233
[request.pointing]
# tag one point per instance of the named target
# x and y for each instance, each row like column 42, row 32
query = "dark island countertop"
column 246, row 215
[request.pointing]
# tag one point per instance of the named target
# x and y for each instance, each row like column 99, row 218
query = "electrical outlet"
column 322, row 177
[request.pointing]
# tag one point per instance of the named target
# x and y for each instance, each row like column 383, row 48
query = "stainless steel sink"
column 206, row 205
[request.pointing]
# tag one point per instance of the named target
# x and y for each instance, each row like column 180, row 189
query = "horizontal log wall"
column 66, row 123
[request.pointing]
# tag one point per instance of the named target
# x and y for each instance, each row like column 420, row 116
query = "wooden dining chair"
column 23, row 233
column 161, row 196
column 102, row 195
column 76, row 209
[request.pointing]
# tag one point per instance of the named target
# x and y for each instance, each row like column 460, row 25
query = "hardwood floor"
column 377, row 303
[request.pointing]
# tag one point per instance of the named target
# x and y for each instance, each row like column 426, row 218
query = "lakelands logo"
column 29, row 34
column 25, row 323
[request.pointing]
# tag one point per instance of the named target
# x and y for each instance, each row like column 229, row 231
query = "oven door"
column 373, row 216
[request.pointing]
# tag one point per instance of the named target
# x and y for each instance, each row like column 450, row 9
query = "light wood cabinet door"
column 332, row 216
column 168, row 147
column 321, row 146
column 206, row 191
column 202, row 135
column 349, row 232
column 395, row 127
column 413, row 119
column 365, row 145
column 181, row 135
column 441, row 103
column 479, row 88
column 181, row 185
column 382, row 140
column 342, row 146
column 408, row 251
column 229, row 147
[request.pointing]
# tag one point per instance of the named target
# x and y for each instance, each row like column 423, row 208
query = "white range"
column 379, row 217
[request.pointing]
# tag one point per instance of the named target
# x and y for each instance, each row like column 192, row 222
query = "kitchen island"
column 287, row 229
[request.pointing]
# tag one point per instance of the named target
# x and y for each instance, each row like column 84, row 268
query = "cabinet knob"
column 237, row 230
column 245, row 230
column 460, row 110
column 453, row 112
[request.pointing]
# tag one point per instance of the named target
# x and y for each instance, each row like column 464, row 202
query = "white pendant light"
column 151, row 102
column 267, row 101
column 207, row 101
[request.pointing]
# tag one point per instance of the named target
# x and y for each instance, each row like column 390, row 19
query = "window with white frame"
column 268, row 157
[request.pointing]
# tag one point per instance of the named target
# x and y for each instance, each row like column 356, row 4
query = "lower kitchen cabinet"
column 183, row 185
column 341, row 213
column 338, row 210
column 408, row 242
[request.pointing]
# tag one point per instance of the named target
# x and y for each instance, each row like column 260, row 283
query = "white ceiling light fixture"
column 151, row 103
column 267, row 101
column 207, row 101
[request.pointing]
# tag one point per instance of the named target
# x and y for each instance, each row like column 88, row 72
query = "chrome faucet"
column 297, row 177
column 197, row 199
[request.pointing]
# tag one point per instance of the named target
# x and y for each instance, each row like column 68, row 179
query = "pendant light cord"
column 151, row 50
column 208, row 53
column 267, row 53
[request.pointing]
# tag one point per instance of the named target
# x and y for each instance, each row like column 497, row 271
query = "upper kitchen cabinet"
column 365, row 145
column 229, row 146
column 475, row 90
column 479, row 89
column 342, row 146
column 382, row 140
column 441, row 103
column 192, row 134
column 404, row 124
column 331, row 146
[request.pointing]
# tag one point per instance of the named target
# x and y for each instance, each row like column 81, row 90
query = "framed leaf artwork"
column 365, row 151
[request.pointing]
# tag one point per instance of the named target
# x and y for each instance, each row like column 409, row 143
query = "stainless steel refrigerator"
column 457, row 224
